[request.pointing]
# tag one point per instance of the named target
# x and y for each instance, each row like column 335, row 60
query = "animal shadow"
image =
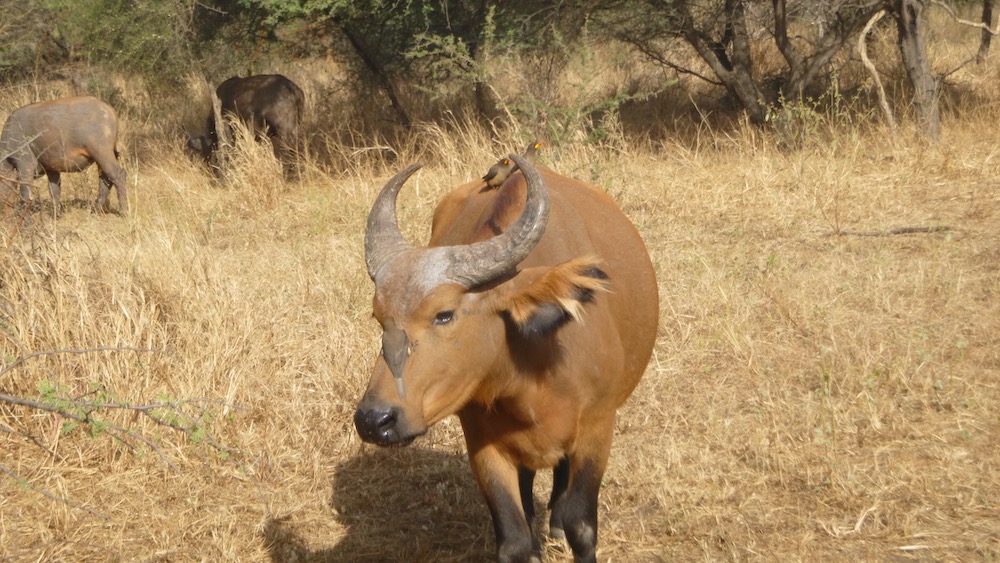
column 408, row 504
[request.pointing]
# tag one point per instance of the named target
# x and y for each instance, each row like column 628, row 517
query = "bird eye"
column 443, row 317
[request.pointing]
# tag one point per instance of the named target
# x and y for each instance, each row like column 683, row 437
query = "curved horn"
column 474, row 264
column 383, row 240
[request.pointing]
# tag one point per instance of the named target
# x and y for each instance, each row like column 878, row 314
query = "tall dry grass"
column 821, row 389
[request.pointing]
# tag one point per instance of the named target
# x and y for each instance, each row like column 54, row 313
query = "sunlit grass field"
column 824, row 384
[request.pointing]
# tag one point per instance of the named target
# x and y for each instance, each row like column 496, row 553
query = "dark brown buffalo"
column 270, row 104
column 65, row 135
column 532, row 316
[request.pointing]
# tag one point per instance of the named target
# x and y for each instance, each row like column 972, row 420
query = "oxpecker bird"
column 531, row 153
column 503, row 168
column 498, row 172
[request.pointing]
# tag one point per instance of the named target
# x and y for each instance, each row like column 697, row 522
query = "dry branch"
column 954, row 16
column 891, row 232
column 656, row 57
column 863, row 52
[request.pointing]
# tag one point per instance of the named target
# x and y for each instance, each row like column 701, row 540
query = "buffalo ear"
column 555, row 297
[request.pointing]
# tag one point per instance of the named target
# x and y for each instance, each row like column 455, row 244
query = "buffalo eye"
column 443, row 318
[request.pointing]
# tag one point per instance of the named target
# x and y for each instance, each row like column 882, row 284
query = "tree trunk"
column 984, row 42
column 378, row 71
column 913, row 50
column 735, row 71
column 484, row 106
column 805, row 68
column 223, row 137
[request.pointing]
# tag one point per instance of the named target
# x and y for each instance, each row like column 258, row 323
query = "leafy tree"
column 27, row 43
column 437, row 44
column 441, row 48
column 143, row 37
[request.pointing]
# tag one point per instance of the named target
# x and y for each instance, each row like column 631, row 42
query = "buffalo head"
column 445, row 312
column 200, row 145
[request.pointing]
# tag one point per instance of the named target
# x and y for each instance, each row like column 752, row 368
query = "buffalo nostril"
column 375, row 425
column 385, row 420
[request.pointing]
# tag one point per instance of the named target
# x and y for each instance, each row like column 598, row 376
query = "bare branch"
column 211, row 8
column 863, row 52
column 83, row 411
column 148, row 411
column 954, row 16
column 661, row 60
column 962, row 65
column 33, row 440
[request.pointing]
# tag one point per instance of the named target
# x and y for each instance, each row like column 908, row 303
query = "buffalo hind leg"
column 526, row 482
column 580, row 512
column 577, row 507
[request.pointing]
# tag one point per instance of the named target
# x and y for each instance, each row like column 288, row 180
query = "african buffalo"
column 65, row 135
column 532, row 315
column 270, row 104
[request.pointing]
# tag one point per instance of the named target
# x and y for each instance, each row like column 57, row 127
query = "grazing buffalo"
column 532, row 315
column 270, row 104
column 65, row 135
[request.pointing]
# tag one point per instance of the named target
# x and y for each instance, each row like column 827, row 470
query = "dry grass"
column 815, row 394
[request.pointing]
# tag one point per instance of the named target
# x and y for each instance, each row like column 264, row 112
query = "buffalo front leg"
column 21, row 164
column 25, row 190
column 499, row 482
column 25, row 174
column 579, row 514
column 111, row 173
column 55, row 191
column 102, row 205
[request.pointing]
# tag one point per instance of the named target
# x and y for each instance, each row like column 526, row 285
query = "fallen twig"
column 891, row 232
